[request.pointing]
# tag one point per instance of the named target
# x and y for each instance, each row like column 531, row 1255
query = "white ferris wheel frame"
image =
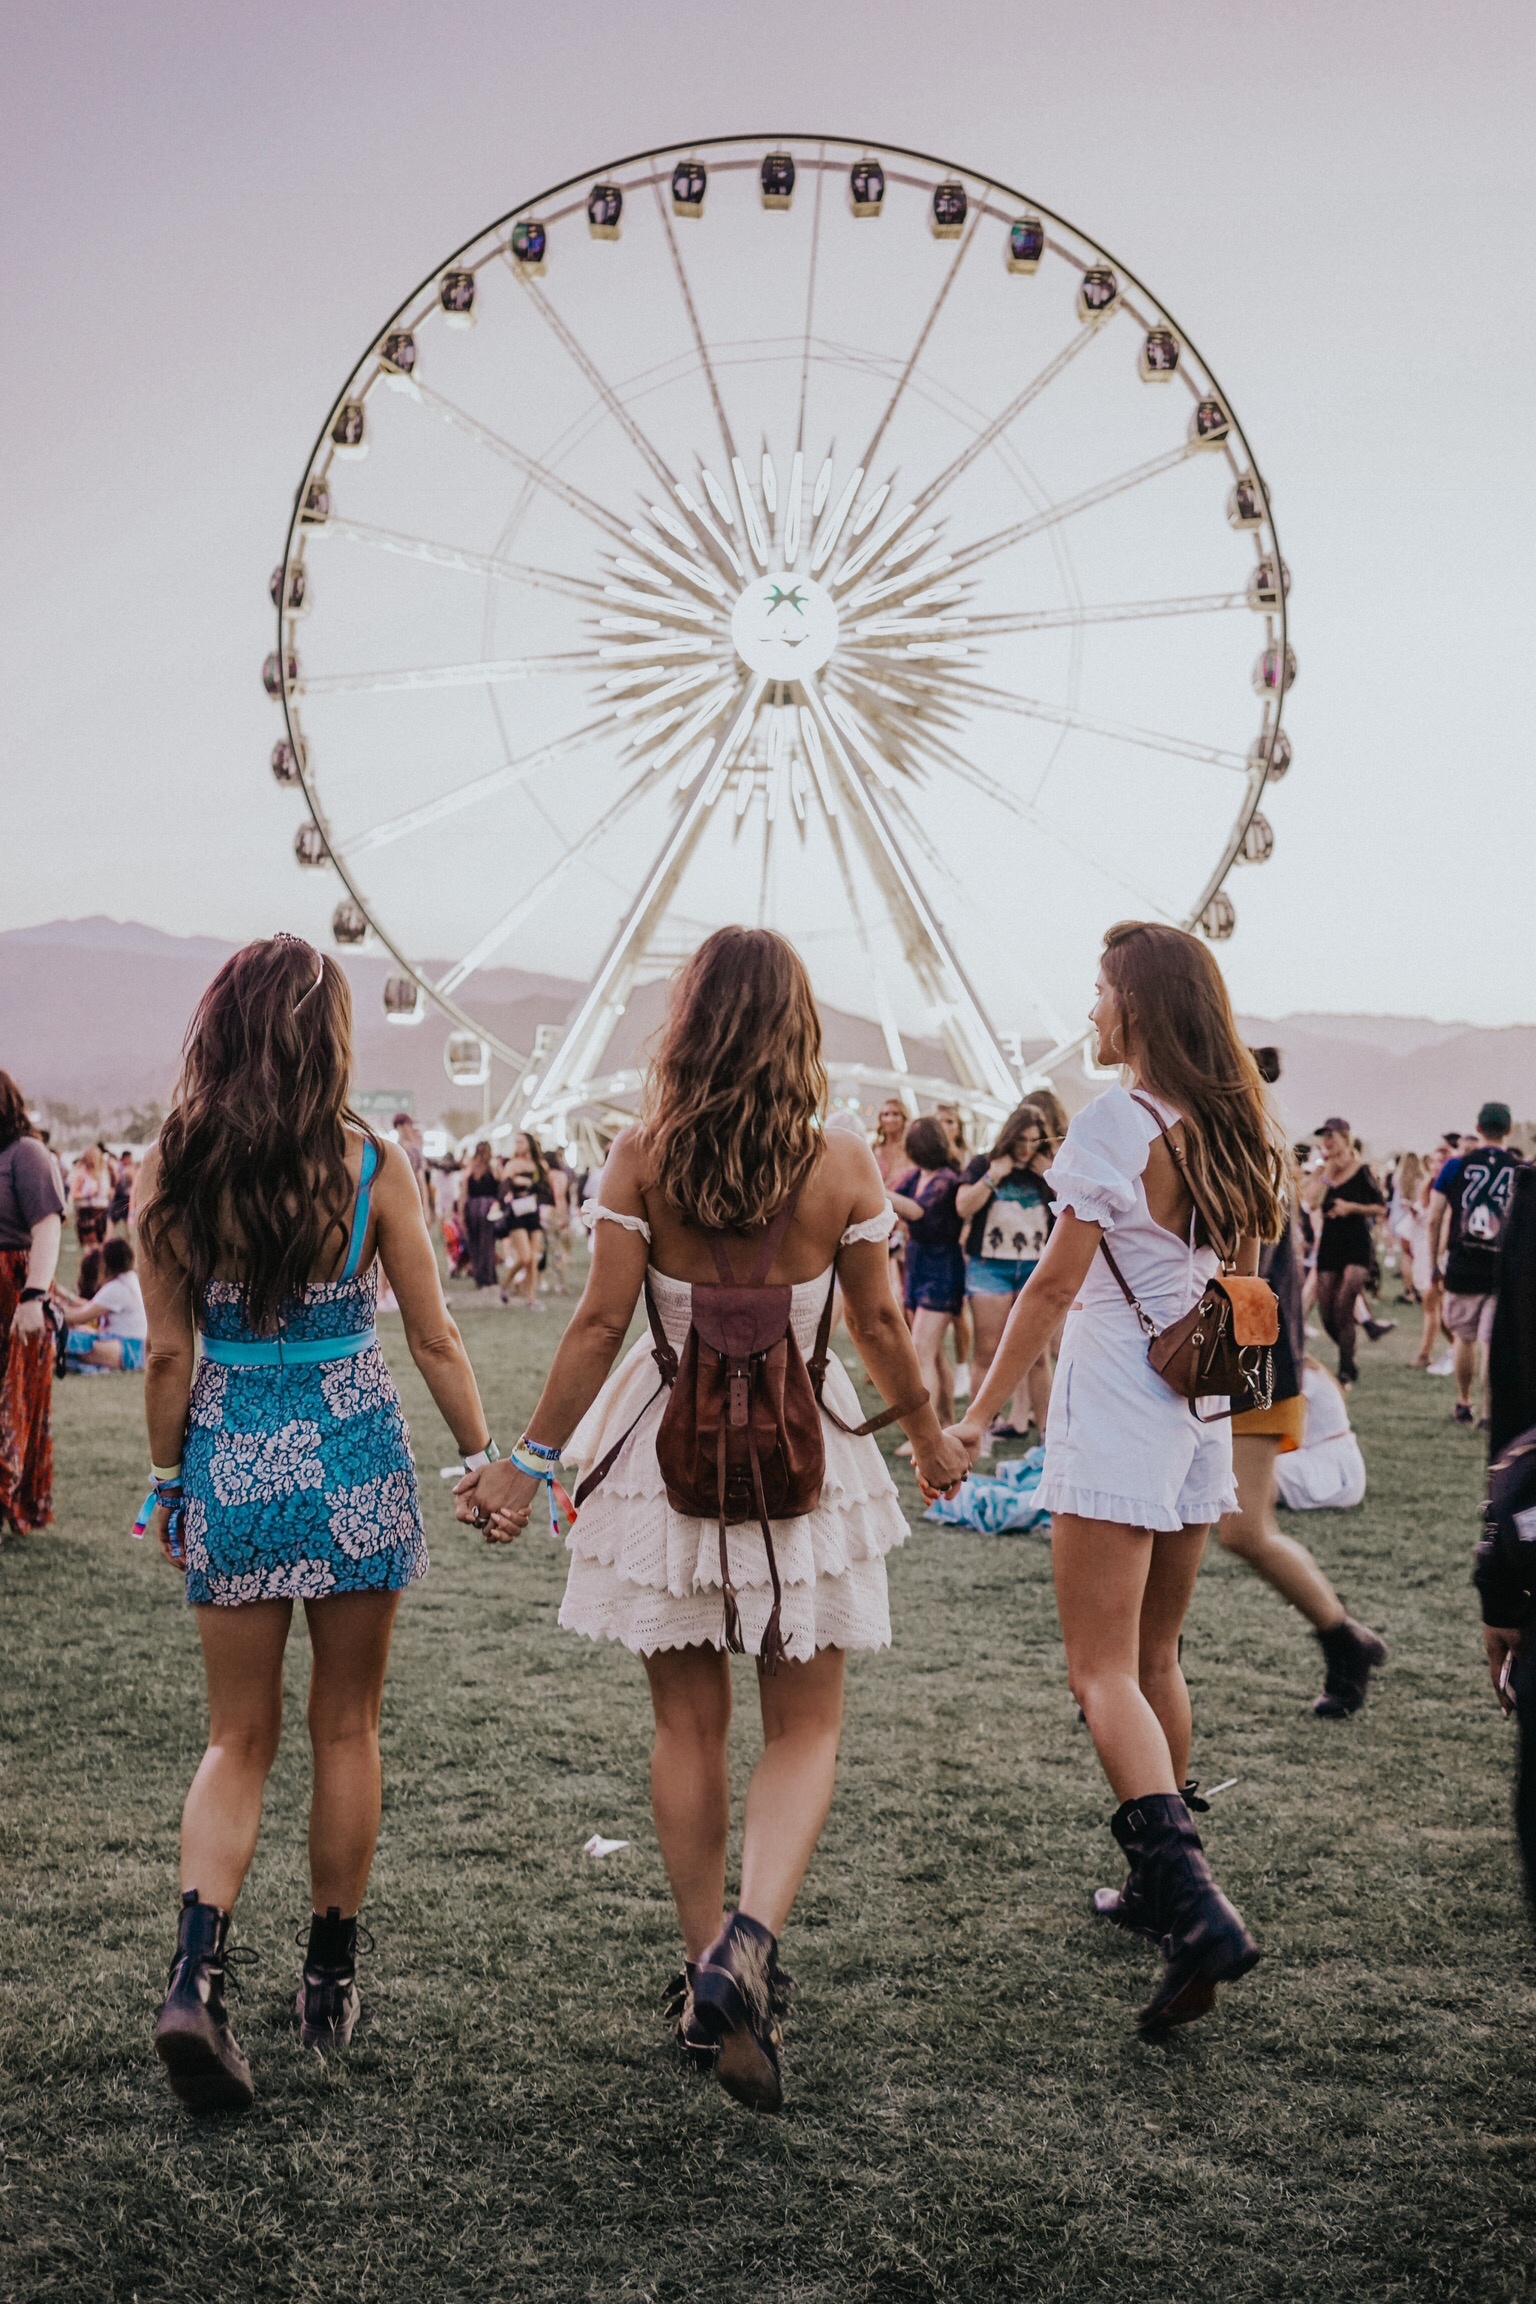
column 549, row 1085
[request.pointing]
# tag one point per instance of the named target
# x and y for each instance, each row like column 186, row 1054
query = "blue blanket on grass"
column 1000, row 1502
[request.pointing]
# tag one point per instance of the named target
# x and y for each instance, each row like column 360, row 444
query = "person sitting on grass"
column 107, row 1328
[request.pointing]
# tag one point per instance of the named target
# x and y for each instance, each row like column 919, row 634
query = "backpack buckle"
column 736, row 1398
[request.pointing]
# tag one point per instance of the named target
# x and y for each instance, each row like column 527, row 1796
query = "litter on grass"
column 598, row 1846
column 998, row 1503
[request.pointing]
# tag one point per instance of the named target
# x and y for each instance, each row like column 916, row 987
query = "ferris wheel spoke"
column 583, row 359
column 472, row 563
column 962, row 250
column 489, row 673
column 693, row 321
column 592, row 1026
column 1118, row 731
column 973, row 1043
column 554, row 483
column 885, row 1012
column 502, row 779
column 805, row 355
column 988, row 546
column 549, row 879
column 999, row 424
column 1108, row 612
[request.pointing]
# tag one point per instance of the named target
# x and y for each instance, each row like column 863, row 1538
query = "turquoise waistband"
column 284, row 1352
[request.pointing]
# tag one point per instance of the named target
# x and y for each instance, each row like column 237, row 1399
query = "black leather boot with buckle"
column 682, row 2020
column 1351, row 1653
column 328, row 2002
column 202, row 2057
column 738, row 1997
column 1204, row 1942
column 1126, row 1907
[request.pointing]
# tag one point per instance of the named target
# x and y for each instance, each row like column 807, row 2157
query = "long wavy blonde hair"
column 733, row 1098
column 1179, row 1020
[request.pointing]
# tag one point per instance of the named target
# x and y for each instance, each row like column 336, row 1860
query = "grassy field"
column 969, row 2114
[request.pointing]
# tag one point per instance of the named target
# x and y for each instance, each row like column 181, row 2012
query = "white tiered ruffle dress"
column 650, row 1577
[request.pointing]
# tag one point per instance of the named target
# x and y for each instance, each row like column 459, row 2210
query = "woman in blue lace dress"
column 282, row 1466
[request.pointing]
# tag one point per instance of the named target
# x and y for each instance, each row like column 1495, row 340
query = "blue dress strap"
column 360, row 1212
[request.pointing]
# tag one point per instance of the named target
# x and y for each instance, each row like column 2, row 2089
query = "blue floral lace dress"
column 299, row 1477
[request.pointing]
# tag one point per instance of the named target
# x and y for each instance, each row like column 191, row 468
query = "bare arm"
column 971, row 1198
column 912, row 1210
column 169, row 1353
column 42, row 1263
column 1439, row 1221
column 405, row 1251
column 1038, row 1311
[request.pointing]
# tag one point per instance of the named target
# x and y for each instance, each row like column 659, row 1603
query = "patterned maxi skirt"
column 26, row 1409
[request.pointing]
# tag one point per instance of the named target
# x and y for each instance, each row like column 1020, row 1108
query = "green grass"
column 969, row 2112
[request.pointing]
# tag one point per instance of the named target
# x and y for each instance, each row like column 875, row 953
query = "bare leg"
column 791, row 1787
column 928, row 1332
column 349, row 1637
column 1465, row 1363
column 989, row 1317
column 243, row 1662
column 1101, row 1571
column 690, row 1793
column 1165, row 1603
column 1253, row 1534
column 1037, row 1384
column 1429, row 1342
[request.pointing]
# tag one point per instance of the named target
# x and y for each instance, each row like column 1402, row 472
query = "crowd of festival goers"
column 972, row 1226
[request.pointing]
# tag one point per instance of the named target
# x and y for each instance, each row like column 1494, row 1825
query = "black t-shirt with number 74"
column 1479, row 1186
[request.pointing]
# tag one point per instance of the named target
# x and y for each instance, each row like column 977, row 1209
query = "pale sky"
column 211, row 210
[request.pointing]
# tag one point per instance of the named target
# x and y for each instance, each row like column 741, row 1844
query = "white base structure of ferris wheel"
column 804, row 532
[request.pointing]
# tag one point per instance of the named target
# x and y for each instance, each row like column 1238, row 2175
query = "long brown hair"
column 736, row 1083
column 1025, row 1115
column 253, row 1154
column 1179, row 1018
column 13, row 1112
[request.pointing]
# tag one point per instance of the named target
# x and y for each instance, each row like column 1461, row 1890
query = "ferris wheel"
column 783, row 530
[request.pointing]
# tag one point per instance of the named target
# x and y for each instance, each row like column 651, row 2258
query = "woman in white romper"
column 731, row 1138
column 1182, row 1171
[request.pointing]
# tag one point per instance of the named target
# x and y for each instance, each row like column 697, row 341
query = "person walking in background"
column 730, row 1160
column 479, row 1212
column 525, row 1197
column 952, row 1122
column 1261, row 1439
column 1468, row 1207
column 120, row 1207
column 282, row 1465
column 31, row 1229
column 1183, row 1172
column 1347, row 1199
column 408, row 1137
column 558, row 1219
column 935, row 1262
column 890, row 1148
column 90, row 1196
column 1004, row 1203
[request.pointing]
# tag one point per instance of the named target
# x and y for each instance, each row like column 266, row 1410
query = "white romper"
column 650, row 1577
column 1119, row 1445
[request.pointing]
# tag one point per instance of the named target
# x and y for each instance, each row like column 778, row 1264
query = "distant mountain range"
column 92, row 1014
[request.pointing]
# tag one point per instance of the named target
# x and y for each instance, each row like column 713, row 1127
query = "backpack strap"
column 816, row 1369
column 667, row 1362
column 767, row 1248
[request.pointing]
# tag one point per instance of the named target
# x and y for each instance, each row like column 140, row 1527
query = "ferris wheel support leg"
column 591, row 1028
column 968, row 1033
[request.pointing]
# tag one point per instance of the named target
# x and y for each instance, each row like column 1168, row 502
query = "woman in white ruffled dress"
column 1182, row 1171
column 731, row 1139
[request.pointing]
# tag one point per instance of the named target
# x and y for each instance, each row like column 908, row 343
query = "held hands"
column 940, row 1465
column 497, row 1498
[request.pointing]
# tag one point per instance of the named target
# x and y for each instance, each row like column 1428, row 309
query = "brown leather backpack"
column 740, row 1438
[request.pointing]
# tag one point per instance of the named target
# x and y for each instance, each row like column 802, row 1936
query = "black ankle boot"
column 738, row 1998
column 328, row 2002
column 1126, row 1907
column 1351, row 1653
column 1204, row 1942
column 201, row 2055
column 682, row 2020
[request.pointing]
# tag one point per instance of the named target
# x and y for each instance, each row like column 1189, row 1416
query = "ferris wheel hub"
column 783, row 625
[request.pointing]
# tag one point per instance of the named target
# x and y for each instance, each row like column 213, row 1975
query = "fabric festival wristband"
column 166, row 1472
column 489, row 1454
column 536, row 1448
column 552, row 1482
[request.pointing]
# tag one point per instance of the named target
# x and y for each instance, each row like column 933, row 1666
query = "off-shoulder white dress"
column 650, row 1577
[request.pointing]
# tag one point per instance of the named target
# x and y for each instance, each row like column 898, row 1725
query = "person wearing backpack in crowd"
column 1467, row 1211
column 730, row 1166
column 1183, row 1173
